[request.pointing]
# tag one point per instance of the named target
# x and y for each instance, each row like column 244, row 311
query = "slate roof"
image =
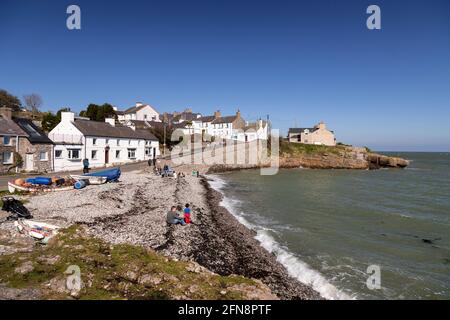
column 206, row 119
column 300, row 130
column 228, row 119
column 9, row 127
column 137, row 108
column 104, row 129
column 34, row 133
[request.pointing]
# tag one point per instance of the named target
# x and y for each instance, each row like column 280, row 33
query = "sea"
column 381, row 234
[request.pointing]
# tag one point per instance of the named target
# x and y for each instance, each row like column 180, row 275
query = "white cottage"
column 102, row 143
column 140, row 112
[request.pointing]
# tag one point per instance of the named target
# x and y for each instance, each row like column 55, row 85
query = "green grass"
column 105, row 269
column 290, row 148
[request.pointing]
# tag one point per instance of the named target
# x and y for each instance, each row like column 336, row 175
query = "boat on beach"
column 91, row 179
column 12, row 188
column 111, row 175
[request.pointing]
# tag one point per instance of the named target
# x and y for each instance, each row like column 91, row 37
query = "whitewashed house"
column 140, row 112
column 252, row 131
column 102, row 143
column 228, row 127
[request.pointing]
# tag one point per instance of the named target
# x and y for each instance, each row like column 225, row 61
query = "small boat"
column 91, row 180
column 111, row 175
column 12, row 187
column 40, row 231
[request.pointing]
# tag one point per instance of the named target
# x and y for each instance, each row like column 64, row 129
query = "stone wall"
column 25, row 147
column 3, row 148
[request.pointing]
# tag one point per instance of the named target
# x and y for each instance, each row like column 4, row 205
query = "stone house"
column 21, row 138
column 36, row 148
column 10, row 134
column 318, row 135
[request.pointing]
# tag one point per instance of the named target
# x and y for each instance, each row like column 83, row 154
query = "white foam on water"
column 295, row 267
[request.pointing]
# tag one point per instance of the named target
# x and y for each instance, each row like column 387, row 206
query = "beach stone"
column 131, row 276
column 58, row 285
column 148, row 280
column 49, row 259
column 24, row 268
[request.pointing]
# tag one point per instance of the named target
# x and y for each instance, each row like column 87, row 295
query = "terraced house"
column 102, row 143
column 23, row 146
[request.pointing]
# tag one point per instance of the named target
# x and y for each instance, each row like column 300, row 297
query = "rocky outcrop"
column 377, row 161
column 339, row 157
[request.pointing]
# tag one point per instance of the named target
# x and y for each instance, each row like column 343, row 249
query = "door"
column 106, row 155
column 29, row 162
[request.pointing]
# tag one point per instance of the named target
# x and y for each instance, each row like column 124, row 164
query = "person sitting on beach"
column 173, row 217
column 187, row 214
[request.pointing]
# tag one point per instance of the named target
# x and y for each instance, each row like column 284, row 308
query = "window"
column 7, row 140
column 118, row 142
column 145, row 116
column 94, row 141
column 43, row 156
column 117, row 154
column 94, row 154
column 129, row 142
column 106, row 141
column 58, row 154
column 7, row 157
column 131, row 153
column 74, row 154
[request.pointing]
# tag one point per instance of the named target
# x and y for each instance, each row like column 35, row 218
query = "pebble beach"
column 133, row 211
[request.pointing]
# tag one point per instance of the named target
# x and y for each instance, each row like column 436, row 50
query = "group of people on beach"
column 166, row 171
column 177, row 215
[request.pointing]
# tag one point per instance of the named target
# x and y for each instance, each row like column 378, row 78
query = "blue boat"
column 111, row 175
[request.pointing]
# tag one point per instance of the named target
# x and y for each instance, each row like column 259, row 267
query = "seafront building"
column 24, row 147
column 189, row 123
column 102, row 143
column 140, row 112
column 318, row 135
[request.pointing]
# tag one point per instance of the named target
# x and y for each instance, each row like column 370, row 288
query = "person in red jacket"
column 187, row 214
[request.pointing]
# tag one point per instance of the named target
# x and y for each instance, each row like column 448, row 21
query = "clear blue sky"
column 299, row 61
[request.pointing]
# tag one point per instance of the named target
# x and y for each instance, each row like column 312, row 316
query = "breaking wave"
column 295, row 267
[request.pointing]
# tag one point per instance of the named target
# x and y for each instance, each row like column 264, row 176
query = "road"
column 124, row 168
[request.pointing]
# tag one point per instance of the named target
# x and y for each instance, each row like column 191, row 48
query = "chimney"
column 217, row 114
column 6, row 112
column 111, row 121
column 67, row 117
column 321, row 125
column 138, row 104
column 238, row 114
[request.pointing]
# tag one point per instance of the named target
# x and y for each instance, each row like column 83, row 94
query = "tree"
column 8, row 100
column 33, row 101
column 50, row 120
column 98, row 112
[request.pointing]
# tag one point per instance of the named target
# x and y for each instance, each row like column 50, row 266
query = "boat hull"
column 13, row 188
column 92, row 180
